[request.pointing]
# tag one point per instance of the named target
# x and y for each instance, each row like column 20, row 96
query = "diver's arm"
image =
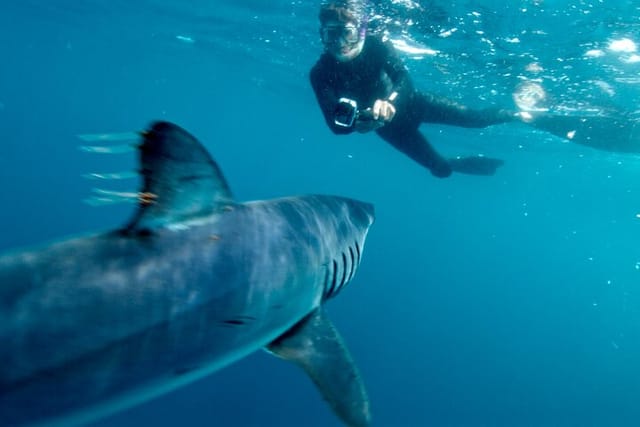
column 401, row 87
column 328, row 101
column 396, row 70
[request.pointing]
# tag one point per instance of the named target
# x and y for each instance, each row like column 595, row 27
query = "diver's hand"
column 365, row 122
column 383, row 110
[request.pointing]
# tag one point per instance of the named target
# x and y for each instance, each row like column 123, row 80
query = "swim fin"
column 475, row 165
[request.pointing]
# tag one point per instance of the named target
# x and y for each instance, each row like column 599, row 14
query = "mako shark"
column 193, row 282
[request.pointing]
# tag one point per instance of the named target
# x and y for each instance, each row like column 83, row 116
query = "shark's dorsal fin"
column 315, row 345
column 180, row 179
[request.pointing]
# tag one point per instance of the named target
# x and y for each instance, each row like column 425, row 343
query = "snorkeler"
column 362, row 85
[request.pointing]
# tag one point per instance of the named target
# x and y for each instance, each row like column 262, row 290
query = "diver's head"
column 342, row 28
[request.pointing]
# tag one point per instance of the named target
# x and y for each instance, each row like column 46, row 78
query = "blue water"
column 512, row 300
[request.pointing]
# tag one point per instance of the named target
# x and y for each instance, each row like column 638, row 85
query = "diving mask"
column 334, row 34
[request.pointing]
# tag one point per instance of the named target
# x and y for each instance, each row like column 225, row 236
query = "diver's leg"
column 433, row 109
column 416, row 146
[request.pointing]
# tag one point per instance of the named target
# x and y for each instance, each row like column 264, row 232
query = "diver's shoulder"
column 317, row 73
column 322, row 65
column 376, row 40
column 376, row 43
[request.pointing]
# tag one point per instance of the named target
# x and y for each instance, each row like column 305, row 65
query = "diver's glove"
column 475, row 165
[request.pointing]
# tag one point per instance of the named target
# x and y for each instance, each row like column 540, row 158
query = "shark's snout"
column 369, row 211
column 363, row 213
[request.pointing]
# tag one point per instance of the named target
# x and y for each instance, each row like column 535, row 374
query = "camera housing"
column 346, row 112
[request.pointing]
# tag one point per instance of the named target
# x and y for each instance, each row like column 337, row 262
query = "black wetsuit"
column 374, row 74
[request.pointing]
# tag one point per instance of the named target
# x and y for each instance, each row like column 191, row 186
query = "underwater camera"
column 346, row 112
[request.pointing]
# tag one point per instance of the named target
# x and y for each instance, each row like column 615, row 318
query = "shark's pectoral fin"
column 180, row 179
column 315, row 345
